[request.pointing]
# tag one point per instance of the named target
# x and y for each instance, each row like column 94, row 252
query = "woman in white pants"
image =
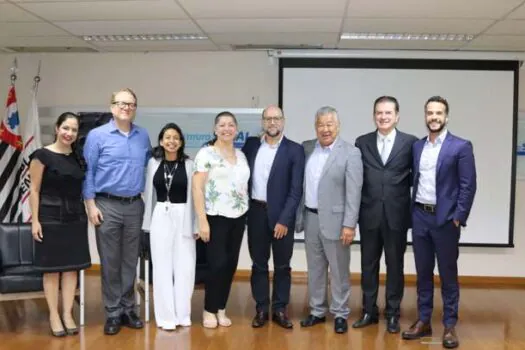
column 169, row 218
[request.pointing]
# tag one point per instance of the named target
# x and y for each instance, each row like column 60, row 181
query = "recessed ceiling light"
column 407, row 36
column 144, row 37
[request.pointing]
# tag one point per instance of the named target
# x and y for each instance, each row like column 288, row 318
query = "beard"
column 439, row 129
column 273, row 133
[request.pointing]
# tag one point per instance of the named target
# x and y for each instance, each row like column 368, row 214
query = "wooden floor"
column 490, row 319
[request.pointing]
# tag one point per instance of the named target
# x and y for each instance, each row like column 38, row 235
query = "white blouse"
column 226, row 191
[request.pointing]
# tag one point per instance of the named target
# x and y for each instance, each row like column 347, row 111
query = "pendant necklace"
column 168, row 176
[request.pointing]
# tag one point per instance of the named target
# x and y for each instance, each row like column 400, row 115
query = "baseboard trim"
column 410, row 279
column 93, row 270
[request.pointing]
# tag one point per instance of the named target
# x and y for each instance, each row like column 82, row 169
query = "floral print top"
column 226, row 191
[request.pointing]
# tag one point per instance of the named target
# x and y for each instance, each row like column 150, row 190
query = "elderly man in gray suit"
column 328, row 213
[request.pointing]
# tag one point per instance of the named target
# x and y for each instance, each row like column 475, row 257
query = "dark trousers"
column 394, row 243
column 431, row 241
column 260, row 242
column 118, row 244
column 222, row 255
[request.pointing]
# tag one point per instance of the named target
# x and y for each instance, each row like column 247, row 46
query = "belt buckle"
column 127, row 200
column 428, row 207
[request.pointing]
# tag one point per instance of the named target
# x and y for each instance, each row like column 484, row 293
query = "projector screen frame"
column 426, row 64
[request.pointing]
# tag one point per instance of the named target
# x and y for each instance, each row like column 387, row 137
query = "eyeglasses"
column 123, row 105
column 272, row 119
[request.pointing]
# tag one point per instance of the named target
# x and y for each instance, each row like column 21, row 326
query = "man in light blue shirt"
column 116, row 155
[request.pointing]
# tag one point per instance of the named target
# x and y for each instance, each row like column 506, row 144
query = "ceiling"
column 58, row 25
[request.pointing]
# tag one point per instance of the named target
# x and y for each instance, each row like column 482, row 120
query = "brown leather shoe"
column 260, row 319
column 450, row 338
column 282, row 319
column 417, row 330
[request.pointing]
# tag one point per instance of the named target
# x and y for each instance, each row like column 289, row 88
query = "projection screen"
column 483, row 97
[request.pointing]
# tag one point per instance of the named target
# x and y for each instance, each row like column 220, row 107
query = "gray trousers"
column 118, row 244
column 323, row 254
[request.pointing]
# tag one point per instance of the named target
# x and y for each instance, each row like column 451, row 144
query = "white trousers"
column 173, row 256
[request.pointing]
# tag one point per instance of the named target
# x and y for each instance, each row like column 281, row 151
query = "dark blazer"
column 455, row 178
column 285, row 183
column 386, row 185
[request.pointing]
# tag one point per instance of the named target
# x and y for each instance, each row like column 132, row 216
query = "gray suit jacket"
column 339, row 193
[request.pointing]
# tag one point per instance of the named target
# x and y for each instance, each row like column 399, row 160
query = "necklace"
column 168, row 175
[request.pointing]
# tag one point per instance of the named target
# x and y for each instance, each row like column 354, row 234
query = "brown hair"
column 128, row 90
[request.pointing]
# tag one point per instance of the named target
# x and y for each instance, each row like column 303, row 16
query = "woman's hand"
column 204, row 231
column 36, row 230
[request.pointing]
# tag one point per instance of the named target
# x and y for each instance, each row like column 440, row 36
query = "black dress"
column 61, row 213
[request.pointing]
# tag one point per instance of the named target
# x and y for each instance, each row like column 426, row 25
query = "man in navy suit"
column 444, row 189
column 275, row 188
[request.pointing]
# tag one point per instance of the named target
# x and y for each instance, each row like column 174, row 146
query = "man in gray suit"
column 385, row 211
column 328, row 213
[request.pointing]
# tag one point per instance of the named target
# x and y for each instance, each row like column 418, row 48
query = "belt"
column 311, row 210
column 261, row 203
column 118, row 198
column 429, row 208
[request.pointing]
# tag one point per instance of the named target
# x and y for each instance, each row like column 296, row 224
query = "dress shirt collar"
column 113, row 127
column 439, row 139
column 327, row 148
column 390, row 137
column 276, row 145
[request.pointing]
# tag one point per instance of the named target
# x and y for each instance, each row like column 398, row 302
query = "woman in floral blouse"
column 220, row 195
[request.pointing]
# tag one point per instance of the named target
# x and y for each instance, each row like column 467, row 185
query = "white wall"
column 206, row 79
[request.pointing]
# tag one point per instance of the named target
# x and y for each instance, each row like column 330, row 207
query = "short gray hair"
column 326, row 110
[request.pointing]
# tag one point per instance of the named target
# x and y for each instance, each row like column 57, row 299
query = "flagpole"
column 14, row 70
column 37, row 78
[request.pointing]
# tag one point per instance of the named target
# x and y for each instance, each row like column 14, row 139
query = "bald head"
column 273, row 121
column 273, row 111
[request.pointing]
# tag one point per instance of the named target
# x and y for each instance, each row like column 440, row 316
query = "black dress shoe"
column 312, row 320
column 392, row 325
column 112, row 326
column 260, row 319
column 282, row 319
column 340, row 325
column 365, row 320
column 131, row 320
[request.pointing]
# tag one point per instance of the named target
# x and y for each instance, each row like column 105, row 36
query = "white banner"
column 31, row 137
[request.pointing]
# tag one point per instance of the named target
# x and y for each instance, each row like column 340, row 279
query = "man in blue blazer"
column 275, row 188
column 443, row 192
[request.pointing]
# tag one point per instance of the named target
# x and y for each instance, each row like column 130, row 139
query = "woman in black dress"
column 59, row 222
